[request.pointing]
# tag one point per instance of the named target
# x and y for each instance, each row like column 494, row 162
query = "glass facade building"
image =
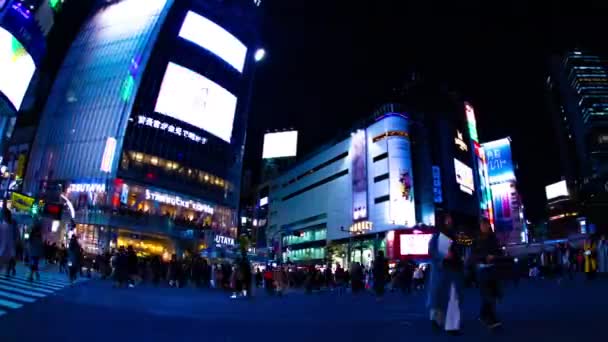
column 103, row 145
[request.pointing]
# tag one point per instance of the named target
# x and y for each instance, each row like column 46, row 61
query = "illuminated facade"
column 110, row 119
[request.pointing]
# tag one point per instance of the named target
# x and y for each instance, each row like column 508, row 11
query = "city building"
column 396, row 172
column 577, row 95
column 144, row 130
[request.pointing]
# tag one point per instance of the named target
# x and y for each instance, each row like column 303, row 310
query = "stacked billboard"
column 508, row 211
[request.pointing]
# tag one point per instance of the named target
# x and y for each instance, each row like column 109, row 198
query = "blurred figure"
column 74, row 258
column 175, row 269
column 62, row 256
column 357, row 277
column 9, row 240
column 602, row 255
column 486, row 251
column 446, row 280
column 380, row 273
column 36, row 250
column 132, row 265
column 590, row 252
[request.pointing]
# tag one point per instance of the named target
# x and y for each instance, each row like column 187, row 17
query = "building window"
column 316, row 168
column 381, row 199
column 380, row 157
column 380, row 178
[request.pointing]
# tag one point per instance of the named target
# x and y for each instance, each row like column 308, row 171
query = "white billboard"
column 559, row 189
column 464, row 177
column 210, row 36
column 16, row 68
column 192, row 98
column 280, row 145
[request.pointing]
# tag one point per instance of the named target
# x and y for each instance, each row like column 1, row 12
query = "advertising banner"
column 402, row 207
column 499, row 161
column 359, row 169
column 508, row 212
column 21, row 202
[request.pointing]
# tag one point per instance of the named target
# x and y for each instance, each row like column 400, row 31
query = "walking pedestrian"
column 35, row 250
column 9, row 239
column 74, row 258
column 446, row 280
column 380, row 273
column 485, row 253
column 590, row 252
column 602, row 255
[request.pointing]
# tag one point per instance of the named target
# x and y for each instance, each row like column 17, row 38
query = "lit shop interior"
column 139, row 201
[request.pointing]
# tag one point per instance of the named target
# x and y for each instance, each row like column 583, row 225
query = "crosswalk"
column 18, row 291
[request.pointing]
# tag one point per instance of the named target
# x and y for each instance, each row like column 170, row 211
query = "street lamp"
column 259, row 54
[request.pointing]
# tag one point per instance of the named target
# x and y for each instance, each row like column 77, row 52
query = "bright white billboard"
column 464, row 177
column 280, row 145
column 556, row 190
column 16, row 68
column 414, row 244
column 192, row 98
column 210, row 36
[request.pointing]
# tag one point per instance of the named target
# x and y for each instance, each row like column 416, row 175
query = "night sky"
column 331, row 63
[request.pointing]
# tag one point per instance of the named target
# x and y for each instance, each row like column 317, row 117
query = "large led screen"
column 280, row 144
column 192, row 98
column 16, row 68
column 208, row 35
column 414, row 244
column 556, row 190
column 464, row 176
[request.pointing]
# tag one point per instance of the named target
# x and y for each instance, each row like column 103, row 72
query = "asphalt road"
column 94, row 311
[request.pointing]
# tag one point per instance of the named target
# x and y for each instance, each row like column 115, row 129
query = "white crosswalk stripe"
column 17, row 291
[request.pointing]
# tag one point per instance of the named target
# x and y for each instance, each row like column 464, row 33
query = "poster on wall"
column 359, row 155
column 402, row 207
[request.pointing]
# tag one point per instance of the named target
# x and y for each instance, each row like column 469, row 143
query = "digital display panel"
column 280, row 145
column 210, row 36
column 194, row 99
column 414, row 244
column 16, row 68
column 464, row 177
column 556, row 190
column 498, row 158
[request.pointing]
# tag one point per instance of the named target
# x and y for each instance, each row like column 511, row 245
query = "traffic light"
column 35, row 209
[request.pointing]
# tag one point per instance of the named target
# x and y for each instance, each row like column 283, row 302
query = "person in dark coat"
column 132, row 266
column 380, row 273
column 36, row 250
column 485, row 253
column 74, row 258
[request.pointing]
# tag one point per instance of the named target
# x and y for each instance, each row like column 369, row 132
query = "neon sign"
column 178, row 201
column 163, row 126
column 459, row 141
column 87, row 187
column 224, row 240
column 471, row 122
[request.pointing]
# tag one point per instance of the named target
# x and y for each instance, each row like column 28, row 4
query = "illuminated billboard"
column 401, row 180
column 212, row 37
column 464, row 177
column 414, row 244
column 358, row 152
column 498, row 158
column 280, row 145
column 194, row 99
column 16, row 68
column 559, row 189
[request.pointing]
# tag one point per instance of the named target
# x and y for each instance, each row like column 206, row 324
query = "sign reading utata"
column 178, row 201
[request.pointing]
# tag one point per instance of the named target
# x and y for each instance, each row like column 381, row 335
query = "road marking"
column 16, row 297
column 8, row 304
column 27, row 282
column 25, row 286
column 25, row 279
column 25, row 292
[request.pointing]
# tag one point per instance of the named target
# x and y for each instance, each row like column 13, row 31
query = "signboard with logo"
column 21, row 202
column 437, row 191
